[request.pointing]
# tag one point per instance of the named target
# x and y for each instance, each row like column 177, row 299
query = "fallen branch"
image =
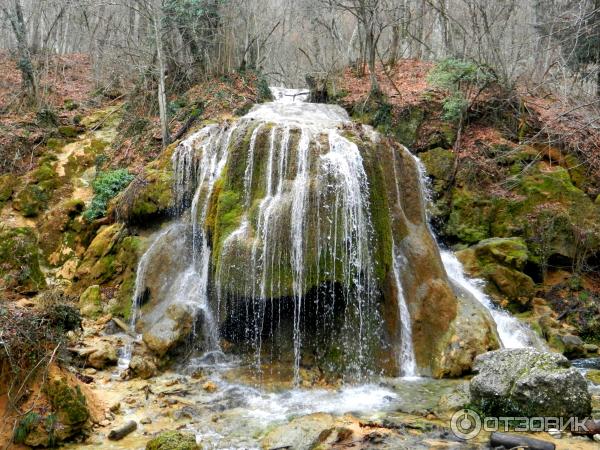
column 119, row 433
column 507, row 440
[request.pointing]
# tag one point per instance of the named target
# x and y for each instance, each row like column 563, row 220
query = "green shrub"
column 106, row 185
column 462, row 79
column 25, row 426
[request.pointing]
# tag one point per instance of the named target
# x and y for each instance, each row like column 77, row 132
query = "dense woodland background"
column 549, row 44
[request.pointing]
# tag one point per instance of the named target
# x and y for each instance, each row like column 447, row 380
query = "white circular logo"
column 465, row 424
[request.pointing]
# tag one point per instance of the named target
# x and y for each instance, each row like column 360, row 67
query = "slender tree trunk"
column 25, row 65
column 372, row 49
column 162, row 95
column 395, row 45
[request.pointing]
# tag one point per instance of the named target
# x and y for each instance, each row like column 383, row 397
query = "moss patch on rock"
column 111, row 261
column 173, row 440
column 500, row 261
column 150, row 196
column 90, row 302
column 8, row 183
column 19, row 261
column 34, row 197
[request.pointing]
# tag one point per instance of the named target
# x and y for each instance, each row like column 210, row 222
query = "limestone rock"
column 173, row 440
column 104, row 355
column 472, row 333
column 573, row 346
column 525, row 382
column 170, row 329
column 142, row 367
column 500, row 261
column 302, row 433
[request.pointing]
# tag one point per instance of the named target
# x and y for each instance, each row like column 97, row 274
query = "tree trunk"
column 395, row 45
column 372, row 55
column 25, row 65
column 162, row 95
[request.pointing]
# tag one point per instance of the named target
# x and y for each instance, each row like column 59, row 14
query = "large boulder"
column 169, row 329
column 528, row 383
column 472, row 333
column 169, row 290
column 104, row 355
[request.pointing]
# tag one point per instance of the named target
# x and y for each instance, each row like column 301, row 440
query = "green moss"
column 90, row 302
column 500, row 261
column 439, row 164
column 469, row 217
column 108, row 117
column 31, row 200
column 157, row 198
column 407, row 125
column 8, row 183
column 593, row 376
column 379, row 211
column 229, row 216
column 68, row 131
column 19, row 260
column 173, row 440
column 55, row 144
column 124, row 302
column 68, row 403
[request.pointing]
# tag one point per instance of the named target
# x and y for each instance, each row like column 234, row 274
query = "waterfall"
column 197, row 163
column 408, row 364
column 282, row 251
column 407, row 361
column 513, row 333
column 276, row 225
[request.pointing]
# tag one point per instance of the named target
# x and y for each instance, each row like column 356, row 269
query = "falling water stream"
column 309, row 165
column 341, row 237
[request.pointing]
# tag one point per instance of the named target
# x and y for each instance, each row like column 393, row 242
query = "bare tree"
column 17, row 21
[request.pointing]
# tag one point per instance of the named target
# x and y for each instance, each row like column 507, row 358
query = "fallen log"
column 119, row 433
column 507, row 441
column 592, row 427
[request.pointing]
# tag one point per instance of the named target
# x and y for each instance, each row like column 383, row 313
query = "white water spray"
column 513, row 333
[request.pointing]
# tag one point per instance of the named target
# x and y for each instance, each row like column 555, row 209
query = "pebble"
column 115, row 408
column 209, row 387
column 555, row 433
column 146, row 421
column 90, row 371
column 596, row 437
